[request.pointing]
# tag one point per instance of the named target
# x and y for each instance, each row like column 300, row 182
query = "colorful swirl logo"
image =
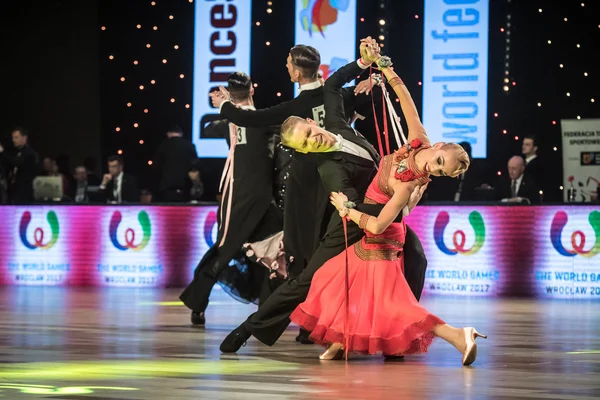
column 38, row 233
column 459, row 237
column 209, row 223
column 317, row 14
column 144, row 220
column 577, row 238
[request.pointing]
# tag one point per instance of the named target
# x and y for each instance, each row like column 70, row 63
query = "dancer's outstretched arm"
column 416, row 130
column 405, row 193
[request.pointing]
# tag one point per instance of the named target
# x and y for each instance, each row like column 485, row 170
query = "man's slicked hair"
column 307, row 60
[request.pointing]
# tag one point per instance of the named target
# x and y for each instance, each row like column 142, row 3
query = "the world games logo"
column 318, row 14
column 577, row 238
column 459, row 237
column 129, row 232
column 38, row 233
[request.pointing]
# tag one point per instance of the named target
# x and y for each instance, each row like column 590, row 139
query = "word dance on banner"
column 483, row 251
column 222, row 36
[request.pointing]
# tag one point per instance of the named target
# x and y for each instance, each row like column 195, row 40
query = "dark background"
column 58, row 81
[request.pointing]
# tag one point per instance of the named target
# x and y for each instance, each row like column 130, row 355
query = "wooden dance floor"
column 84, row 343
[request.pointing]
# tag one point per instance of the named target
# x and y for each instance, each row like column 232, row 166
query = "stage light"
column 579, row 117
column 256, row 85
column 153, row 3
column 152, row 81
column 136, row 125
column 120, row 152
column 182, row 76
column 568, row 94
column 578, row 46
column 553, row 122
column 566, row 19
column 540, row 10
column 145, row 111
column 382, row 22
column 170, row 17
column 416, row 16
column 172, row 100
column 128, row 104
column 269, row 3
column 176, row 47
column 141, row 87
column 187, row 106
column 278, row 94
column 118, row 129
column 257, row 23
column 135, row 62
column 141, row 142
column 139, row 26
column 495, row 115
column 504, row 132
column 155, row 28
column 150, row 162
column 148, row 45
column 516, row 138
column 164, row 60
column 122, row 79
column 539, row 104
column 381, row 37
column 592, row 100
column 269, row 11
column 560, row 65
column 549, row 41
column 501, row 29
column 555, row 148
column 268, row 43
column 585, row 74
column 420, row 83
column 363, row 20
column 505, row 88
column 111, row 57
column 561, row 188
column 499, row 173
column 103, row 28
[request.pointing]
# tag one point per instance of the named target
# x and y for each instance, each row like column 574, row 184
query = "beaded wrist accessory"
column 362, row 222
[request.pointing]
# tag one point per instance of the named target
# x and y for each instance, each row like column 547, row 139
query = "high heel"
column 470, row 353
column 333, row 352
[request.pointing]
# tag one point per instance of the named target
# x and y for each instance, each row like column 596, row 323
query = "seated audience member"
column 81, row 185
column 90, row 164
column 117, row 186
column 519, row 187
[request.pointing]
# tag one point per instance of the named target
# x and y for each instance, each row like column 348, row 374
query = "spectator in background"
column 81, row 185
column 519, row 187
column 196, row 186
column 22, row 167
column 172, row 161
column 117, row 186
column 50, row 168
column 63, row 164
column 529, row 149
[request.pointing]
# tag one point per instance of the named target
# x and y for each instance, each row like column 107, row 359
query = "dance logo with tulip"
column 318, row 14
column 38, row 233
column 577, row 237
column 144, row 220
column 459, row 237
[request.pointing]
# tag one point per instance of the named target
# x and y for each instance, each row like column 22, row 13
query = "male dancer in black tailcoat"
column 252, row 216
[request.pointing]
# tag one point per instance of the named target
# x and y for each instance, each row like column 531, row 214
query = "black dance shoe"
column 236, row 339
column 198, row 318
column 303, row 337
column 393, row 358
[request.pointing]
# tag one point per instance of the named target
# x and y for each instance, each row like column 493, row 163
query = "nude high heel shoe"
column 470, row 353
column 333, row 352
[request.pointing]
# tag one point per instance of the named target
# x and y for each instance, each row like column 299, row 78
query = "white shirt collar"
column 310, row 86
column 248, row 108
column 530, row 158
column 519, row 180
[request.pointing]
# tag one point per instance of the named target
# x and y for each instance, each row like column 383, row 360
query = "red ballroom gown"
column 384, row 316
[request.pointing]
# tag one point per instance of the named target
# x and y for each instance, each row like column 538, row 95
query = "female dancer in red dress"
column 378, row 312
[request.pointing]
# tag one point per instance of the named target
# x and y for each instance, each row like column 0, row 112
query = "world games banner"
column 497, row 251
